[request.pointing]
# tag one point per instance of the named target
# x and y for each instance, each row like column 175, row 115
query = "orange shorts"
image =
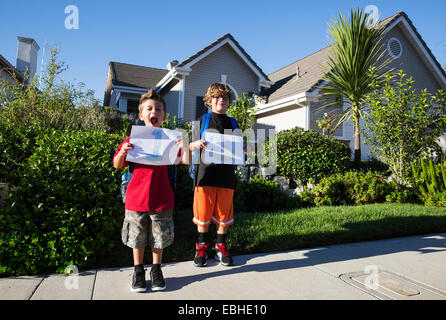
column 213, row 203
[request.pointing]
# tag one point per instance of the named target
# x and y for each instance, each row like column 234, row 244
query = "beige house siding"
column 171, row 99
column 349, row 134
column 112, row 102
column 316, row 114
column 412, row 62
column 5, row 76
column 209, row 70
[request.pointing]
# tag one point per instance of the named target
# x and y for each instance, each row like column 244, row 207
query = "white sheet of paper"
column 223, row 149
column 154, row 146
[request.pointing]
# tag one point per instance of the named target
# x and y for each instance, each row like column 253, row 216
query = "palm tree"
column 356, row 48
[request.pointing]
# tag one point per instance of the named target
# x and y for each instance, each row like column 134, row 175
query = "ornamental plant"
column 350, row 188
column 402, row 124
column 260, row 195
column 304, row 155
column 356, row 46
column 430, row 179
column 242, row 110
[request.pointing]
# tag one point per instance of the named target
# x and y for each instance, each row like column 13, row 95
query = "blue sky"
column 152, row 33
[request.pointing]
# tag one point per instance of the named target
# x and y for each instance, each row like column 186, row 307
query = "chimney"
column 172, row 64
column 27, row 49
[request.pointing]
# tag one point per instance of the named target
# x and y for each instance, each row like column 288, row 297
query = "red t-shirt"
column 149, row 189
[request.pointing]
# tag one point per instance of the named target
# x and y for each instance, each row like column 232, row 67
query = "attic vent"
column 395, row 48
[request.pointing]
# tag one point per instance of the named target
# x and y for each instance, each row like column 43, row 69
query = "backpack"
column 204, row 127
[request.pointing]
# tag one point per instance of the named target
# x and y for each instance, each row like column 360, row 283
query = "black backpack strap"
column 131, row 167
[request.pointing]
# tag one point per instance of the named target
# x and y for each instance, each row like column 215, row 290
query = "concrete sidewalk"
column 410, row 268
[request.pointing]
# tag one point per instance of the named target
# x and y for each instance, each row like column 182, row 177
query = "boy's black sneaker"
column 201, row 255
column 139, row 281
column 156, row 276
column 222, row 255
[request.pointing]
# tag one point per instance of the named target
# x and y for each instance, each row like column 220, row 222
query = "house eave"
column 172, row 74
column 300, row 99
column 128, row 89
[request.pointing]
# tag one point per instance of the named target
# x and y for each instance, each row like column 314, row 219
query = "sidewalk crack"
column 37, row 287
column 94, row 284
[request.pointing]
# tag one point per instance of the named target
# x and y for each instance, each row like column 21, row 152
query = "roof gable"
column 401, row 18
column 10, row 69
column 288, row 82
column 131, row 75
column 225, row 39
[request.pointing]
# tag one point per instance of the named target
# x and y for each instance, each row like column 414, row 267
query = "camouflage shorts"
column 147, row 228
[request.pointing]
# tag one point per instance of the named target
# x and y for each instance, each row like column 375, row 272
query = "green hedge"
column 184, row 193
column 258, row 194
column 16, row 145
column 304, row 155
column 357, row 188
column 67, row 204
column 67, row 207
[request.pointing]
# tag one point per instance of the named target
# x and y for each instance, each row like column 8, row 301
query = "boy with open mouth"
column 149, row 200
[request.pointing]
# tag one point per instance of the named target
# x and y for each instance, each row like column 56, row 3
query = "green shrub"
column 430, row 179
column 302, row 155
column 99, row 118
column 351, row 188
column 403, row 123
column 374, row 165
column 67, row 204
column 258, row 195
column 17, row 145
column 184, row 194
column 402, row 194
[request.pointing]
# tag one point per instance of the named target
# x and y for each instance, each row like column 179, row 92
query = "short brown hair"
column 151, row 94
column 217, row 89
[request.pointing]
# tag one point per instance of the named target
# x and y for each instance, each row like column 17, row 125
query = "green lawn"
column 295, row 229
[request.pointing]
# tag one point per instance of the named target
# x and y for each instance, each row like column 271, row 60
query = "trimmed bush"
column 304, row 155
column 258, row 194
column 402, row 194
column 67, row 205
column 351, row 188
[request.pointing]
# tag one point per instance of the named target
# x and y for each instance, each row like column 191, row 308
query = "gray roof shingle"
column 10, row 69
column 131, row 75
column 287, row 82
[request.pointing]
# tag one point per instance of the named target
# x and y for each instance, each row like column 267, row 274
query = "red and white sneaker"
column 201, row 256
column 222, row 255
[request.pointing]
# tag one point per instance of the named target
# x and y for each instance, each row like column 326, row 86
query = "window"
column 132, row 106
column 200, row 108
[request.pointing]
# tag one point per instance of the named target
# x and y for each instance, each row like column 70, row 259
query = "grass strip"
column 297, row 229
